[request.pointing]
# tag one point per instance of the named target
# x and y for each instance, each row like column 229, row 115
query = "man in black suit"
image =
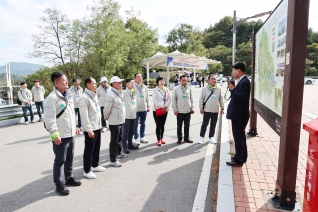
column 238, row 112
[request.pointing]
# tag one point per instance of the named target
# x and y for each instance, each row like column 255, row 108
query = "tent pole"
column 168, row 76
column 147, row 73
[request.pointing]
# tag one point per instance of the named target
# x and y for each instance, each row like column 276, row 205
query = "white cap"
column 103, row 79
column 115, row 79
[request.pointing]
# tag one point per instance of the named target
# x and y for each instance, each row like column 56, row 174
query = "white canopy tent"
column 176, row 59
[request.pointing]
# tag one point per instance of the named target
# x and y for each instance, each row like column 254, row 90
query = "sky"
column 19, row 18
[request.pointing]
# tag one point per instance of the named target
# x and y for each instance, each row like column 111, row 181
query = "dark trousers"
column 39, row 105
column 160, row 124
column 25, row 113
column 77, row 112
column 199, row 83
column 238, row 130
column 183, row 117
column 91, row 151
column 104, row 124
column 142, row 115
column 116, row 136
column 208, row 117
column 63, row 156
column 128, row 132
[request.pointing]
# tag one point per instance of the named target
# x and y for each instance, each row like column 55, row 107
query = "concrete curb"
column 225, row 201
column 14, row 121
column 203, row 186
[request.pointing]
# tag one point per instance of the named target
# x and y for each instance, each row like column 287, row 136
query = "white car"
column 2, row 102
column 309, row 81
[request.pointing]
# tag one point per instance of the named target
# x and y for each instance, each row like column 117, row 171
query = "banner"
column 179, row 63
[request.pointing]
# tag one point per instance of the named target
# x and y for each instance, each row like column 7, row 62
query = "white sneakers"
column 200, row 140
column 26, row 123
column 33, row 121
column 143, row 140
column 136, row 142
column 212, row 141
column 98, row 169
column 115, row 164
column 89, row 175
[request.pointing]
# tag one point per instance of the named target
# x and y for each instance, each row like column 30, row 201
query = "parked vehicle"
column 2, row 102
column 309, row 81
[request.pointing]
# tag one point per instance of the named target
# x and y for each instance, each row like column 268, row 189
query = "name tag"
column 98, row 109
column 141, row 96
column 213, row 97
column 133, row 103
column 123, row 104
column 37, row 93
column 105, row 95
column 77, row 96
column 62, row 106
column 184, row 96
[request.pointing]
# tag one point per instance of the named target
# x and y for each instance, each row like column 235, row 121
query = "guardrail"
column 12, row 110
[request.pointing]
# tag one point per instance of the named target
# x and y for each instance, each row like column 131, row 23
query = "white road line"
column 309, row 115
column 200, row 197
column 225, row 201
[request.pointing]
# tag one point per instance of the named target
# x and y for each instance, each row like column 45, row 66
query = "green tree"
column 223, row 54
column 186, row 39
column 142, row 43
column 244, row 54
column 107, row 42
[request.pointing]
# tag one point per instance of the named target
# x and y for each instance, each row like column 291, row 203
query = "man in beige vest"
column 38, row 93
column 101, row 93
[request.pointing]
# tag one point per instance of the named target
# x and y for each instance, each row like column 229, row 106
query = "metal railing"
column 12, row 110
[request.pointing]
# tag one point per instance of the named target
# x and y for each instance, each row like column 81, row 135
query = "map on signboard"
column 270, row 59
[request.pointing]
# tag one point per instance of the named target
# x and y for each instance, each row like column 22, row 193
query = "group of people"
column 69, row 109
column 26, row 96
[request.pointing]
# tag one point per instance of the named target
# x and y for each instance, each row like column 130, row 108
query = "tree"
column 107, row 41
column 142, row 43
column 51, row 42
column 223, row 54
column 244, row 54
column 186, row 39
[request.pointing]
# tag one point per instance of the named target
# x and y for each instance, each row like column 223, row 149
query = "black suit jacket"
column 238, row 108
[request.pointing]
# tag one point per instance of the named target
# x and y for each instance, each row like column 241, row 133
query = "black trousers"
column 160, row 124
column 238, row 130
column 104, row 123
column 91, row 151
column 128, row 132
column 183, row 117
column 64, row 154
column 116, row 136
column 208, row 117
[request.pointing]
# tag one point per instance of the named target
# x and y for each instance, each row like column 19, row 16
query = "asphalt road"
column 151, row 178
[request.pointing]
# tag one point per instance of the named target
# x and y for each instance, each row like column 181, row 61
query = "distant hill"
column 23, row 69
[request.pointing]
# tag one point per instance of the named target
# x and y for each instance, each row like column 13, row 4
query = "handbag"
column 160, row 111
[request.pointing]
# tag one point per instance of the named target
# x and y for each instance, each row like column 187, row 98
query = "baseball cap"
column 115, row 79
column 103, row 79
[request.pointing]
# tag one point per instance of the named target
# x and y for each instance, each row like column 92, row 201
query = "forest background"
column 107, row 44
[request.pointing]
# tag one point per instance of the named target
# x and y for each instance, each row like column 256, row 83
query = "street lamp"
column 236, row 23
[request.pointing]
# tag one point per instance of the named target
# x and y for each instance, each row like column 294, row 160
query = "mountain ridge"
column 22, row 68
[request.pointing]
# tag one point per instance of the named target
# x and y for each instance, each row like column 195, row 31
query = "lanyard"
column 185, row 89
column 161, row 93
column 91, row 98
column 37, row 89
column 140, row 91
column 117, row 95
column 75, row 90
column 105, row 89
column 132, row 96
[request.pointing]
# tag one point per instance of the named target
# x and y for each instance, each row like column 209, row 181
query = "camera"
column 232, row 82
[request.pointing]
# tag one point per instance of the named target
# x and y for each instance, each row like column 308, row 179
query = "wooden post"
column 297, row 29
column 253, row 114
